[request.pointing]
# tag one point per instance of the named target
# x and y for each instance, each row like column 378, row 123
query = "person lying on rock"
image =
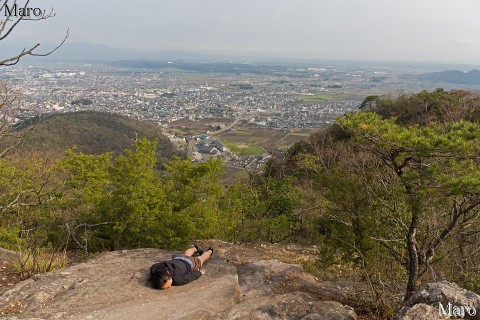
column 181, row 270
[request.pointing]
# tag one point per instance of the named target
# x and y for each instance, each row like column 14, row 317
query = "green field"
column 319, row 97
column 242, row 149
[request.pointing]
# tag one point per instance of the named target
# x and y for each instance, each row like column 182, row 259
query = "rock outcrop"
column 237, row 285
column 275, row 290
column 441, row 300
column 114, row 286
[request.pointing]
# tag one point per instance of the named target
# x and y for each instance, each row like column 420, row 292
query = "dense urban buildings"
column 273, row 97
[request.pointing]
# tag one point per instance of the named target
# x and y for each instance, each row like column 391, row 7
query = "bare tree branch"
column 395, row 254
column 31, row 52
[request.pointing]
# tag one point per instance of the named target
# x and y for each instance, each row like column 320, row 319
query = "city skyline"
column 427, row 31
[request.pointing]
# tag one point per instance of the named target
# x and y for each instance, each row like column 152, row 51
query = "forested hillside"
column 91, row 132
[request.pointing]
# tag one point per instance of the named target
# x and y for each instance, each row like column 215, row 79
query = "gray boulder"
column 441, row 300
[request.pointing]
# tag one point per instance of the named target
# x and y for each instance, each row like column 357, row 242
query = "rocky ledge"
column 242, row 282
column 237, row 285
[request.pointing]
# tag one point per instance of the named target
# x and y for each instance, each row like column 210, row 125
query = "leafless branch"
column 31, row 52
column 396, row 255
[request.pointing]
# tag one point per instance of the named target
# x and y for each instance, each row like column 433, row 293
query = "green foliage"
column 243, row 86
column 8, row 185
column 124, row 198
column 439, row 152
column 237, row 201
column 88, row 174
column 194, row 191
column 137, row 198
column 128, row 202
column 346, row 219
column 9, row 238
column 425, row 107
column 262, row 210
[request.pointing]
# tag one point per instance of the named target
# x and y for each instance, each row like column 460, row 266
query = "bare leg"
column 190, row 251
column 205, row 256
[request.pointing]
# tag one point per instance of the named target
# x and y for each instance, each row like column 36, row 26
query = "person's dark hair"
column 159, row 278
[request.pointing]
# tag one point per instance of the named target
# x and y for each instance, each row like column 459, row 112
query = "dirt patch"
column 15, row 307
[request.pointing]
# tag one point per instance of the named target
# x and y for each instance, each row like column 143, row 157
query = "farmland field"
column 319, row 97
column 243, row 139
column 263, row 139
column 336, row 95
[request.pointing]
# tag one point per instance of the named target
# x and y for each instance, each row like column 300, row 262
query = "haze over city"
column 421, row 31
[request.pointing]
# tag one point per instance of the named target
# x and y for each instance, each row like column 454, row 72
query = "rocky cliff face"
column 239, row 284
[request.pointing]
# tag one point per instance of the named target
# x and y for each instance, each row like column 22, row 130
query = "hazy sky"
column 413, row 30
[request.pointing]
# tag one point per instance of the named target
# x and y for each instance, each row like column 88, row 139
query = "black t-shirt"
column 180, row 270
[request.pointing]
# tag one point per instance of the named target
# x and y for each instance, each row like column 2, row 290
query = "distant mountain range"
column 87, row 52
column 455, row 76
column 83, row 52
